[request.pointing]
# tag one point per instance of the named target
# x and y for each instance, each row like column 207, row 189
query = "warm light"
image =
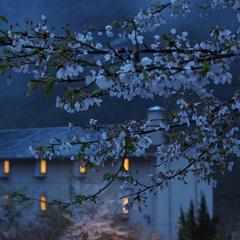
column 126, row 164
column 125, row 202
column 43, row 203
column 43, row 166
column 82, row 170
column 6, row 167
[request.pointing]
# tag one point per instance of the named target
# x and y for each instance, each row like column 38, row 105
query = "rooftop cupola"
column 155, row 114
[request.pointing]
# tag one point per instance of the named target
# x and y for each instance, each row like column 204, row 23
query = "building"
column 53, row 179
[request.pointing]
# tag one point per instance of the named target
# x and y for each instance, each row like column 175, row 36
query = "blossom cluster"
column 203, row 130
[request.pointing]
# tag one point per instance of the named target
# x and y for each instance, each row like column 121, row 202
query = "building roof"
column 15, row 143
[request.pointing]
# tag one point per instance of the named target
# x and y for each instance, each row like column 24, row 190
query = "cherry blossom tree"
column 203, row 128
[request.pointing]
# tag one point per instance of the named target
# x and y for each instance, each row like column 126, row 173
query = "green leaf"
column 7, row 66
column 216, row 121
column 3, row 19
column 14, row 194
column 33, row 86
column 18, row 194
column 94, row 199
column 48, row 87
column 80, row 198
column 92, row 165
column 115, row 24
column 108, row 176
column 42, row 149
column 206, row 66
column 96, row 92
column 130, row 145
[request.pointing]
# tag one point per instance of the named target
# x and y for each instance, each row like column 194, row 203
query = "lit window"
column 43, row 203
column 126, row 164
column 43, row 166
column 82, row 170
column 125, row 202
column 6, row 167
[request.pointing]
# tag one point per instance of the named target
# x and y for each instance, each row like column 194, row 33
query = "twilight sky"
column 18, row 110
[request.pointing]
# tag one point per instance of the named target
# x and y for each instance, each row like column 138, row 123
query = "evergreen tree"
column 191, row 222
column 182, row 228
column 207, row 227
column 187, row 224
column 198, row 226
